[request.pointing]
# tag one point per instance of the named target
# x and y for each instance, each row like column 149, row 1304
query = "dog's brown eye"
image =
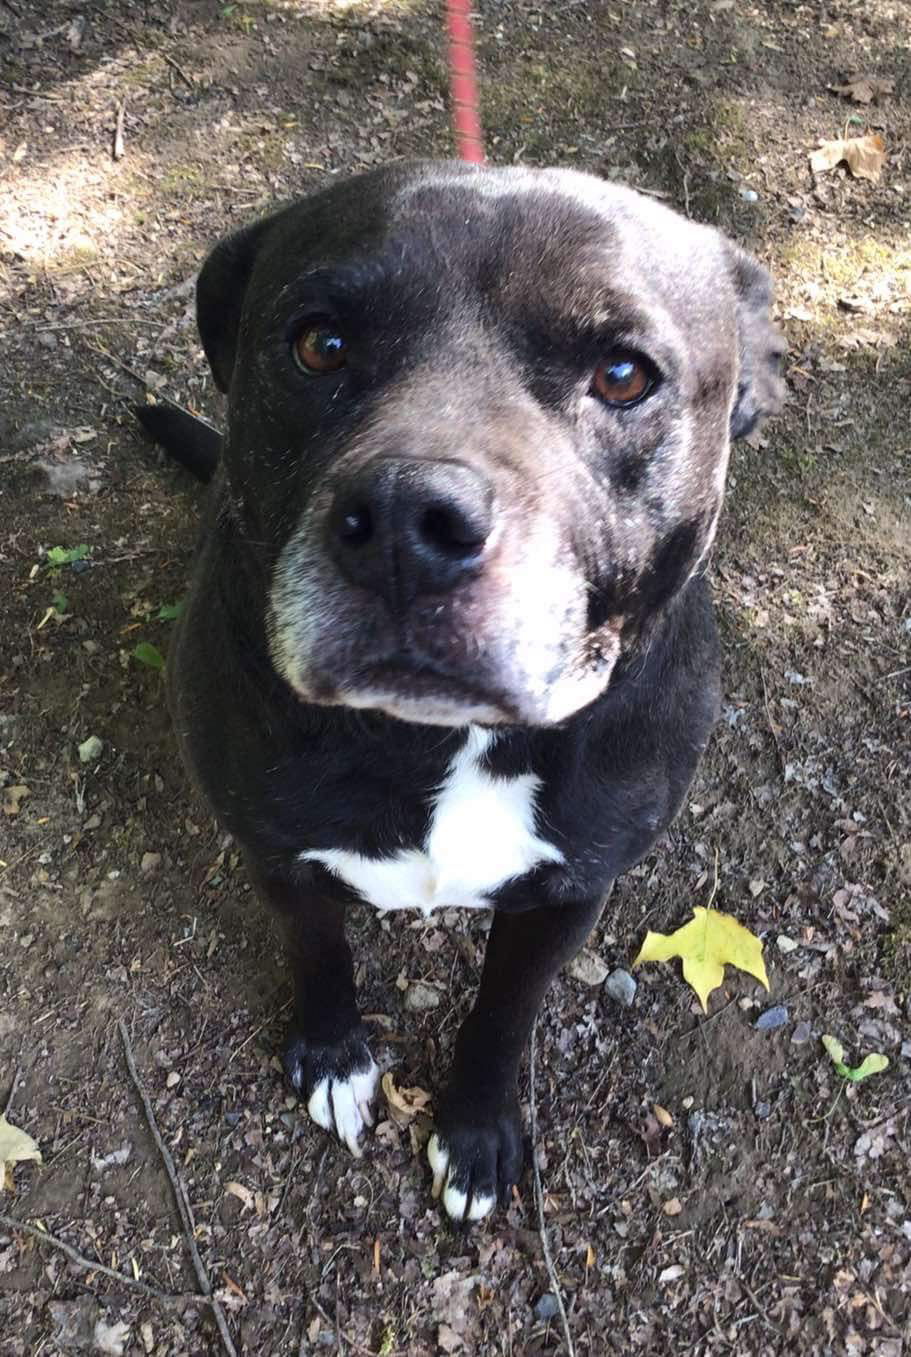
column 623, row 378
column 320, row 350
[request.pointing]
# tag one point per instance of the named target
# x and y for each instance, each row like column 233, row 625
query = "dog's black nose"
column 403, row 527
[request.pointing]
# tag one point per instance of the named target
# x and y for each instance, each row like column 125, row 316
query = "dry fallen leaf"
column 13, row 798
column 15, row 1146
column 864, row 156
column 110, row 1338
column 242, row 1194
column 404, row 1103
column 709, row 942
column 662, row 1115
column 863, row 89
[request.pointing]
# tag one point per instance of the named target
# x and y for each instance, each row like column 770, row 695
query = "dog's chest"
column 482, row 834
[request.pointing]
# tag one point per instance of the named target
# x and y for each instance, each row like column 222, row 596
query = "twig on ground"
column 90, row 1265
column 12, row 1089
column 180, row 1194
column 773, row 729
column 188, row 80
column 117, row 148
column 341, row 1334
column 539, row 1198
column 277, row 1014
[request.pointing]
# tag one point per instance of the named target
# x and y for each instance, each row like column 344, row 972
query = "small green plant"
column 58, row 556
column 149, row 655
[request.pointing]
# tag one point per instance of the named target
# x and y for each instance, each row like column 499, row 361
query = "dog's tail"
column 191, row 441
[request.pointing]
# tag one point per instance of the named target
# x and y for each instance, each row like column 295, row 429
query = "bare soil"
column 772, row 1214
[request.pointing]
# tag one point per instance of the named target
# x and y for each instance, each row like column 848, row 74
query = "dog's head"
column 478, row 430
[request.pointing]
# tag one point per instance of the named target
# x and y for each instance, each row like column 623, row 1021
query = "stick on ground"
column 90, row 1265
column 539, row 1198
column 180, row 1194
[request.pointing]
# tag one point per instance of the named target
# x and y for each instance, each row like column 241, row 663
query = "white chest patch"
column 482, row 834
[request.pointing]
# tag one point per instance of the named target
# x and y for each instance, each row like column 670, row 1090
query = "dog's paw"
column 475, row 1165
column 338, row 1083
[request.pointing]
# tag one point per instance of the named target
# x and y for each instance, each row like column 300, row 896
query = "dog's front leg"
column 326, row 1056
column 475, row 1151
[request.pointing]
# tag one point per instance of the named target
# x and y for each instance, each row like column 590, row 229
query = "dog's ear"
column 220, row 291
column 760, row 387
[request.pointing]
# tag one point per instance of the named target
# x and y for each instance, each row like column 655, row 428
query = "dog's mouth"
column 423, row 695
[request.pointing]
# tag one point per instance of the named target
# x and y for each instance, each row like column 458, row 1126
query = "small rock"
column 621, row 987
column 172, row 1080
column 110, row 1338
column 749, row 195
column 419, row 996
column 762, row 1110
column 117, row 1158
column 772, row 1018
column 802, row 1033
column 47, row 340
column 588, row 967
column 90, row 750
column 546, row 1307
column 786, row 944
column 150, row 863
column 75, row 1321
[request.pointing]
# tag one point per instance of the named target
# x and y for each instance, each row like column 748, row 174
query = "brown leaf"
column 863, row 89
column 242, row 1194
column 404, row 1103
column 662, row 1115
column 15, row 1146
column 13, row 798
column 864, row 156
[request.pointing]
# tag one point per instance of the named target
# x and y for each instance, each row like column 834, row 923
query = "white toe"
column 481, row 1206
column 348, row 1120
column 318, row 1107
column 455, row 1202
column 438, row 1159
column 351, row 1099
column 343, row 1105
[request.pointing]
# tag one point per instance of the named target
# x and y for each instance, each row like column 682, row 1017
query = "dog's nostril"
column 452, row 532
column 356, row 527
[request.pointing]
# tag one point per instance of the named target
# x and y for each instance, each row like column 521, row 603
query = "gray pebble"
column 749, row 195
column 621, row 987
column 90, row 750
column 419, row 996
column 588, row 967
column 802, row 1032
column 546, row 1307
column 772, row 1018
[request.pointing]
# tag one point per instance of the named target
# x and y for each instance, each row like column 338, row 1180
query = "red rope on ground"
column 463, row 80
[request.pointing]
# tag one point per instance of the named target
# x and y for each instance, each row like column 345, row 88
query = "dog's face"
column 478, row 429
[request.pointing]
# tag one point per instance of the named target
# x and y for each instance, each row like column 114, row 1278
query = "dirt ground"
column 767, row 1208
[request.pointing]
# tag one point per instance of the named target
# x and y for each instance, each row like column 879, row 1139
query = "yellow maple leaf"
column 710, row 941
column 15, row 1145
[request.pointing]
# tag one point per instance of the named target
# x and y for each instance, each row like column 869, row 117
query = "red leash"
column 463, row 80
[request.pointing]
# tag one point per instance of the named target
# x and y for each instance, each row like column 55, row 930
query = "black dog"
column 449, row 639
